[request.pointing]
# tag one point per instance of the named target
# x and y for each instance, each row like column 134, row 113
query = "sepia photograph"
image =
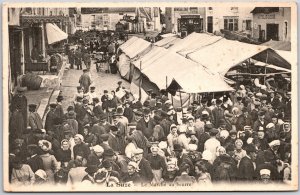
column 143, row 96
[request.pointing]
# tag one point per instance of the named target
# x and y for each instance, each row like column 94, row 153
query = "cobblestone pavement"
column 100, row 80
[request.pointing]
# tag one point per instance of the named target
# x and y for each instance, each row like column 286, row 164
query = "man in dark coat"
column 260, row 122
column 59, row 111
column 78, row 57
column 97, row 110
column 104, row 100
column 85, row 81
column 16, row 124
column 104, row 139
column 203, row 137
column 246, row 170
column 19, row 101
column 113, row 139
column 144, row 166
column 244, row 120
column 49, row 123
column 146, row 124
column 217, row 113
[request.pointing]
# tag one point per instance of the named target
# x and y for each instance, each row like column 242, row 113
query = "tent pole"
column 266, row 67
column 140, row 82
column 181, row 103
column 189, row 99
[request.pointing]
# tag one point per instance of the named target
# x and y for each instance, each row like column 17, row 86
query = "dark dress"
column 35, row 163
column 21, row 103
column 63, row 155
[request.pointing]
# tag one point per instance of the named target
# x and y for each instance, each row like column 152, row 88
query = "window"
column 248, row 24
column 231, row 23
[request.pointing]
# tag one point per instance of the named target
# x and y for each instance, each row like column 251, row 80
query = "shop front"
column 188, row 24
column 36, row 40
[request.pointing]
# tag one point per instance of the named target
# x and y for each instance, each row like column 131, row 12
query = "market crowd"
column 240, row 136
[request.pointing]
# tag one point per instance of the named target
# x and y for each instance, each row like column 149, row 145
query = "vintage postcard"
column 139, row 96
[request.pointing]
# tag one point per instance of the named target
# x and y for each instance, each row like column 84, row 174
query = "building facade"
column 237, row 19
column 28, row 47
column 271, row 23
column 185, row 20
column 106, row 20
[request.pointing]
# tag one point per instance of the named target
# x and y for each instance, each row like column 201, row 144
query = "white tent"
column 54, row 33
column 167, row 42
column 130, row 50
column 225, row 54
column 194, row 42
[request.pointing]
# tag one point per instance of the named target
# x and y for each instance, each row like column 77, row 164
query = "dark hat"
column 53, row 105
column 71, row 113
column 106, row 164
column 105, row 91
column 119, row 82
column 91, row 169
column 104, row 137
column 146, row 103
column 146, row 111
column 214, row 131
column 59, row 98
column 138, row 112
column 21, row 89
column 92, row 87
column 79, row 87
column 79, row 98
column 84, row 70
column 230, row 147
column 95, row 99
column 250, row 148
column 32, row 106
column 120, row 111
column 178, row 147
column 261, row 113
column 108, row 152
column 208, row 127
column 113, row 128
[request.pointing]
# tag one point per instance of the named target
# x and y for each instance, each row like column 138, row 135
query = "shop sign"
column 266, row 16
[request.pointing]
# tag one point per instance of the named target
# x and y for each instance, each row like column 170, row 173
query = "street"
column 100, row 80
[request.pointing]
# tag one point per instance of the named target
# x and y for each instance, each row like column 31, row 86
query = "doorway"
column 210, row 24
column 272, row 32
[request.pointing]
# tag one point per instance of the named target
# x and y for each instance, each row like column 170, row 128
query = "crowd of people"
column 241, row 136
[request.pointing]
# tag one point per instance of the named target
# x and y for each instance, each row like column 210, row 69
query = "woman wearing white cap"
column 49, row 161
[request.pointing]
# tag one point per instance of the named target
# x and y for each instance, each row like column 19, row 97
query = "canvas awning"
column 190, row 76
column 169, row 35
column 54, row 33
column 134, row 46
column 167, row 42
column 194, row 42
column 225, row 54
